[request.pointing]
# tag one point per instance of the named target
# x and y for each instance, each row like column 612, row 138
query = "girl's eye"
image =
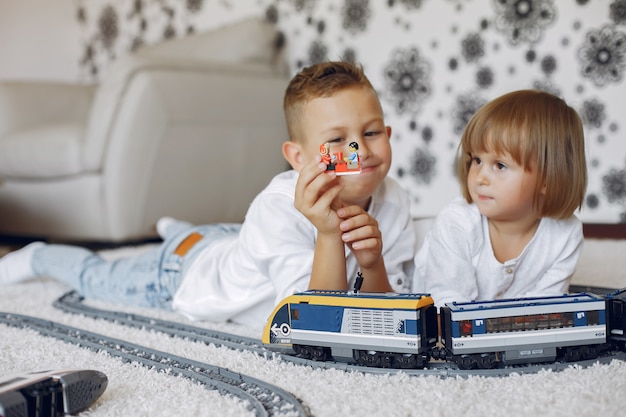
column 500, row 166
column 476, row 160
column 336, row 140
column 371, row 133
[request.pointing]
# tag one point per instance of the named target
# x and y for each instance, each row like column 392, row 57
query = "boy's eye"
column 500, row 166
column 371, row 133
column 336, row 140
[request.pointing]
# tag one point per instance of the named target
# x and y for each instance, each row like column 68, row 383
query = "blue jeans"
column 147, row 280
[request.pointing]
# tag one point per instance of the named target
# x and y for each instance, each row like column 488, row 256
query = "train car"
column 616, row 322
column 373, row 329
column 524, row 331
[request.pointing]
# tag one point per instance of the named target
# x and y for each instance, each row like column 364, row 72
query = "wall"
column 434, row 63
column 39, row 40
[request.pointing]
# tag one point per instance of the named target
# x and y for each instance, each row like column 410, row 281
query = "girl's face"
column 501, row 188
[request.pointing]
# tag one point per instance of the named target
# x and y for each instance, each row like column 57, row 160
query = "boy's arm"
column 329, row 264
column 361, row 233
column 317, row 198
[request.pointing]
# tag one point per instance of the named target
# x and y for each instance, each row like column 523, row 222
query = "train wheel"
column 588, row 352
column 304, row 352
column 405, row 361
column 320, row 353
column 465, row 362
column 369, row 358
column 486, row 361
column 572, row 354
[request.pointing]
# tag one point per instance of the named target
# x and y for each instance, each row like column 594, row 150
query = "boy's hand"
column 317, row 197
column 361, row 233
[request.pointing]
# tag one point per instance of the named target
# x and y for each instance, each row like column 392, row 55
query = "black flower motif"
column 271, row 14
column 473, row 47
column 523, row 21
column 617, row 12
column 349, row 55
column 318, row 52
column 194, row 6
column 422, row 166
column 355, row 15
column 603, row 56
column 548, row 65
column 592, row 201
column 466, row 106
column 407, row 79
column 592, row 113
column 548, row 87
column 484, row 77
column 304, row 5
column 614, row 186
column 409, row 4
column 108, row 27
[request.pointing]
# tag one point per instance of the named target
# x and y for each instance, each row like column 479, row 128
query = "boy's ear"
column 292, row 152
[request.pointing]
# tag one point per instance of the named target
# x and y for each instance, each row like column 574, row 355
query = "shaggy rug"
column 134, row 390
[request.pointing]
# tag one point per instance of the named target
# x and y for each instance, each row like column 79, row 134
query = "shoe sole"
column 50, row 393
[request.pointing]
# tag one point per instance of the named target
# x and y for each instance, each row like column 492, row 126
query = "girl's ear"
column 292, row 152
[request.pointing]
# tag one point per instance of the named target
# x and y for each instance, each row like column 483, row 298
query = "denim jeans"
column 147, row 280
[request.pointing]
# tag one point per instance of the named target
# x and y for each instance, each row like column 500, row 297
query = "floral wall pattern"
column 434, row 63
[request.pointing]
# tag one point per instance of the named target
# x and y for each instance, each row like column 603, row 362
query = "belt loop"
column 187, row 244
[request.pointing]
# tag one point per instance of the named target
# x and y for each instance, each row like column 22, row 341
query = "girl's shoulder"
column 460, row 213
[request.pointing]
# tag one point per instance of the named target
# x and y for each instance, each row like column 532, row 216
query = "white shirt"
column 242, row 278
column 457, row 263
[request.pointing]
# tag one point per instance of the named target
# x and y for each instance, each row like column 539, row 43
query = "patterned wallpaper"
column 434, row 62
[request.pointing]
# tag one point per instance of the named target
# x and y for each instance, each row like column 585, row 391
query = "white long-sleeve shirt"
column 457, row 262
column 242, row 278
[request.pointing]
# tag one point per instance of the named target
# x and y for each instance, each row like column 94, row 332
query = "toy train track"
column 72, row 302
column 264, row 399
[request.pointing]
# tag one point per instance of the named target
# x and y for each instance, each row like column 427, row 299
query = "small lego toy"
column 349, row 165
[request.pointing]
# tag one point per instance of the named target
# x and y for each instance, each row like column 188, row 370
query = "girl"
column 521, row 165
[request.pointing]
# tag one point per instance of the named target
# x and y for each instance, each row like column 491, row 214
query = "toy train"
column 401, row 330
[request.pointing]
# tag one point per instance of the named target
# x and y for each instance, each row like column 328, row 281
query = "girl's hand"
column 317, row 196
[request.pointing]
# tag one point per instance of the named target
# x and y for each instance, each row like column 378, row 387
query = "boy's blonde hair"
column 319, row 80
column 538, row 128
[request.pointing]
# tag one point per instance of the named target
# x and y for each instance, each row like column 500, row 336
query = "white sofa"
column 189, row 128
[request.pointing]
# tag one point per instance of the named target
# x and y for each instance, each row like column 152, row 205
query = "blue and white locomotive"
column 381, row 329
column 401, row 330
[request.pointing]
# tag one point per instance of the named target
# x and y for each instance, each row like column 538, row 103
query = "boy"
column 307, row 229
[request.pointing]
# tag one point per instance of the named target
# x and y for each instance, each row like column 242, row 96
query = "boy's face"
column 350, row 115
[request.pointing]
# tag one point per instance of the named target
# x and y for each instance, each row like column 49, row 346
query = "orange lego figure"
column 336, row 162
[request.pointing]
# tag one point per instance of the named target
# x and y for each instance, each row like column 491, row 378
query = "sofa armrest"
column 27, row 105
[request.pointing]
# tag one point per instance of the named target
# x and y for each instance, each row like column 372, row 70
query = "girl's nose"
column 481, row 177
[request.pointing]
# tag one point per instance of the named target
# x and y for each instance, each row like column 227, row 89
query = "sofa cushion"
column 248, row 41
column 251, row 40
column 45, row 152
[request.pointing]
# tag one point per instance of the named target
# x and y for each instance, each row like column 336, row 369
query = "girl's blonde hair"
column 539, row 131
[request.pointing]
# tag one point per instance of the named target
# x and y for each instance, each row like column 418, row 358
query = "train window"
column 466, row 327
column 593, row 318
column 617, row 310
column 530, row 322
column 295, row 314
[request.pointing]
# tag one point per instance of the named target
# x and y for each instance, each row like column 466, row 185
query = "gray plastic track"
column 72, row 302
column 264, row 399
